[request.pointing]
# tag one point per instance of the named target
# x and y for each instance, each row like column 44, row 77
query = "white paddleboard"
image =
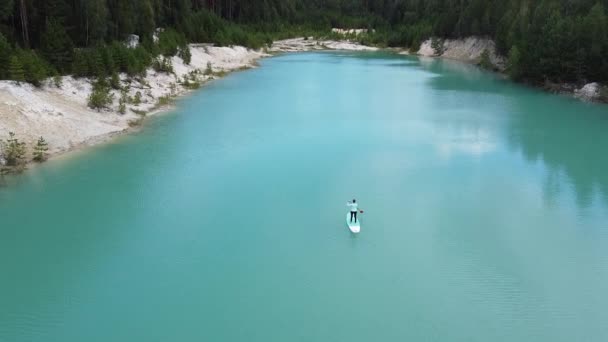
column 354, row 227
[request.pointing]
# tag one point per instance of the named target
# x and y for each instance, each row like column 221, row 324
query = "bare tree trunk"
column 24, row 30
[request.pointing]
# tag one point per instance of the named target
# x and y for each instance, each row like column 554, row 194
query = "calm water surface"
column 486, row 214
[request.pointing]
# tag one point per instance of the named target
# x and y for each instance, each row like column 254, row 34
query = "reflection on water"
column 567, row 136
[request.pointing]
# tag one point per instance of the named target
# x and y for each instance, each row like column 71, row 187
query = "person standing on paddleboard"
column 354, row 208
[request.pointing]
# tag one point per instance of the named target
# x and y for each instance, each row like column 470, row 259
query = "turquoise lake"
column 486, row 214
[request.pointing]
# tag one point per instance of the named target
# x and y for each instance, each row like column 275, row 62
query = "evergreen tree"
column 14, row 151
column 485, row 60
column 555, row 39
column 596, row 29
column 6, row 9
column 122, row 102
column 40, row 150
column 96, row 21
column 514, row 63
column 5, row 56
column 100, row 97
column 145, row 18
column 126, row 17
column 56, row 45
column 119, row 55
column 185, row 54
column 80, row 66
column 15, row 70
column 115, row 81
column 34, row 68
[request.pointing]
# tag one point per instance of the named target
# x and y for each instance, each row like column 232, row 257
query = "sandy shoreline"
column 61, row 115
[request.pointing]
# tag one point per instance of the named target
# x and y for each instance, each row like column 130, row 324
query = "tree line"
column 554, row 40
column 545, row 40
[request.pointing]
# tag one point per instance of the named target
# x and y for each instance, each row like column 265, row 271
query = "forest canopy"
column 555, row 40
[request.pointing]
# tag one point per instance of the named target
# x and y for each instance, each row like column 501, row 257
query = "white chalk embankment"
column 310, row 44
column 466, row 50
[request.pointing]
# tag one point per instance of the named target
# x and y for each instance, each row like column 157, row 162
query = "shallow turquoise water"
column 486, row 214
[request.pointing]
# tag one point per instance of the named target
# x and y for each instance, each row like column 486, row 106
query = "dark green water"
column 486, row 214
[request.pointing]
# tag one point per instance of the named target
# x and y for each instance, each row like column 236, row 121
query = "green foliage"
column 191, row 81
column 170, row 41
column 409, row 36
column 57, row 81
column 557, row 40
column 100, row 97
column 164, row 101
column 13, row 151
column 163, row 64
column 514, row 64
column 209, row 69
column 137, row 99
column 185, row 54
column 137, row 122
column 40, row 150
column 35, row 68
column 5, row 56
column 122, row 102
column 115, row 81
column 96, row 17
column 107, row 60
column 6, row 6
column 56, row 45
column 80, row 65
column 437, row 45
column 485, row 60
column 15, row 70
column 145, row 18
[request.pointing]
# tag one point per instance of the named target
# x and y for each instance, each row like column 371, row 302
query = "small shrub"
column 169, row 42
column 15, row 70
column 115, row 81
column 40, row 150
column 163, row 64
column 137, row 99
column 100, row 97
column 514, row 64
column 191, row 85
column 58, row 81
column 185, row 54
column 220, row 73
column 122, row 102
column 13, row 151
column 164, row 101
column 437, row 45
column 34, row 67
column 136, row 122
column 485, row 61
column 209, row 70
column 80, row 64
column 138, row 112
